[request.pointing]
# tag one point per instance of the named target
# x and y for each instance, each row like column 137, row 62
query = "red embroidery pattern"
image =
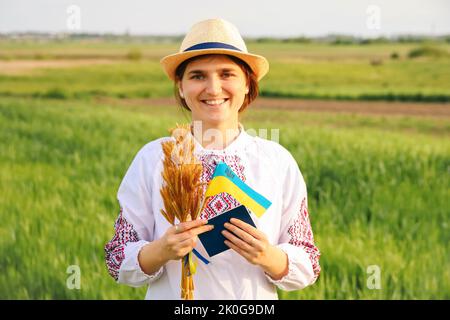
column 223, row 201
column 302, row 236
column 114, row 249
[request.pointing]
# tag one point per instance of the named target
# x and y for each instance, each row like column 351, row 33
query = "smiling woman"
column 215, row 88
column 251, row 81
column 215, row 78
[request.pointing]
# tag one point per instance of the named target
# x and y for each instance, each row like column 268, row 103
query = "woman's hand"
column 179, row 240
column 253, row 245
column 246, row 240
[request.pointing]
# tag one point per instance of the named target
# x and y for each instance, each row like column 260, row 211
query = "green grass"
column 358, row 80
column 378, row 195
column 427, row 51
column 312, row 71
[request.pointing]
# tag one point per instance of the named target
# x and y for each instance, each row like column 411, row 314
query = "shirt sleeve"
column 134, row 227
column 296, row 236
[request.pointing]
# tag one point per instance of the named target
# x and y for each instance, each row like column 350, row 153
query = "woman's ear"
column 180, row 90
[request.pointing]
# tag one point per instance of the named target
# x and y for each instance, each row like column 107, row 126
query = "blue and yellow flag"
column 225, row 180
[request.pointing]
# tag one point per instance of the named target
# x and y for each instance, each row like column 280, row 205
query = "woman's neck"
column 214, row 137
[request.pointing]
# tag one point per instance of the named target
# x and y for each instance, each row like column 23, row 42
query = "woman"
column 216, row 79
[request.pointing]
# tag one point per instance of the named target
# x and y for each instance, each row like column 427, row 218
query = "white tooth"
column 215, row 102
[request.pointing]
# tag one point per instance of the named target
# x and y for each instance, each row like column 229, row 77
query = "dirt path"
column 19, row 67
column 358, row 107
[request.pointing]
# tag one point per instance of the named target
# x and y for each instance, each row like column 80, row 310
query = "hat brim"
column 258, row 64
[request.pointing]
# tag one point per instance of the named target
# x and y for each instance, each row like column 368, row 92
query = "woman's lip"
column 214, row 105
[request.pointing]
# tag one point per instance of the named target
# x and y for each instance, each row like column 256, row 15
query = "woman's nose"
column 213, row 86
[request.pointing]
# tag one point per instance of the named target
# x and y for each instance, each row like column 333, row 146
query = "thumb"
column 188, row 217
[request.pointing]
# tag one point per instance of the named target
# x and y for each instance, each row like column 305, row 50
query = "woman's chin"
column 215, row 116
column 216, row 121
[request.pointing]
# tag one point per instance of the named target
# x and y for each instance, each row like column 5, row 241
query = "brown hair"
column 252, row 81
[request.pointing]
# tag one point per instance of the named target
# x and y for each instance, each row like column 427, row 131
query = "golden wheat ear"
column 182, row 189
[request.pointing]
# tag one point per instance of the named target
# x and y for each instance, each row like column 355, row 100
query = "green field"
column 378, row 186
column 378, row 195
column 313, row 71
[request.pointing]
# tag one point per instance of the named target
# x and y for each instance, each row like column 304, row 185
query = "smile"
column 216, row 102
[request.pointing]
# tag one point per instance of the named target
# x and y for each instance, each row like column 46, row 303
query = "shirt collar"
column 240, row 141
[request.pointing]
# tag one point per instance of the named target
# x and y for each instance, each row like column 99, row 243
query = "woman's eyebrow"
column 228, row 69
column 195, row 71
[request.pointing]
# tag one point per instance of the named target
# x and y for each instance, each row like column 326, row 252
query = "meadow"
column 313, row 71
column 378, row 186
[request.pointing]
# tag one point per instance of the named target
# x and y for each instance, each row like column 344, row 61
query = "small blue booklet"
column 213, row 241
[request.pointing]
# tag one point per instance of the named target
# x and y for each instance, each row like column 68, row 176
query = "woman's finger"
column 183, row 248
column 184, row 226
column 237, row 249
column 245, row 236
column 187, row 243
column 194, row 232
column 248, row 228
column 246, row 246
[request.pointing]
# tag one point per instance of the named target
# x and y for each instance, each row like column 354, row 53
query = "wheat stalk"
column 182, row 191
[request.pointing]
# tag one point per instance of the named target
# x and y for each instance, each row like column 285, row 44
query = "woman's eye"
column 197, row 77
column 227, row 75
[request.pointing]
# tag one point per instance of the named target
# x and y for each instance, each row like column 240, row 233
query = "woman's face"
column 214, row 88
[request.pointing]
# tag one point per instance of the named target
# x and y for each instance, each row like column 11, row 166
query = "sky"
column 254, row 18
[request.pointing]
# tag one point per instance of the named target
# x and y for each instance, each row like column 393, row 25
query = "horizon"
column 358, row 18
column 292, row 37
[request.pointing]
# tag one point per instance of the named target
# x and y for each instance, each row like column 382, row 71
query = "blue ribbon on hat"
column 211, row 45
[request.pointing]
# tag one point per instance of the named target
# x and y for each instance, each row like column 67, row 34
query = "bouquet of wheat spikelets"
column 182, row 192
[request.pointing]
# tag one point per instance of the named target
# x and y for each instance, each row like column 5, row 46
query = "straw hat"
column 214, row 36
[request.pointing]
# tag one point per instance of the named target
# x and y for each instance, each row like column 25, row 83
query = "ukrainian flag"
column 225, row 180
